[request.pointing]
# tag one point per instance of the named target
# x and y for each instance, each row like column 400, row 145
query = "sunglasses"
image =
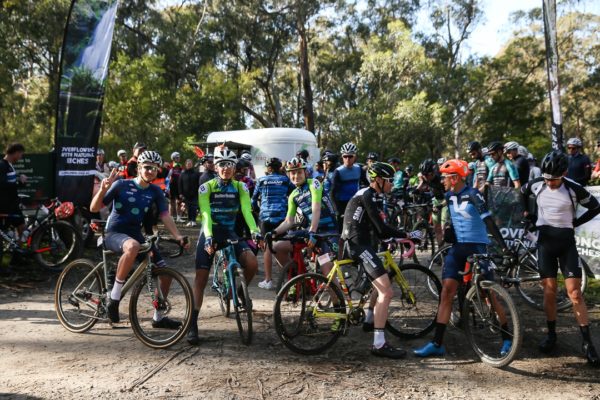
column 571, row 148
column 348, row 156
column 150, row 168
column 226, row 164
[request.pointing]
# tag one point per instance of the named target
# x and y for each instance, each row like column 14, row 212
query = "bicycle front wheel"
column 309, row 315
column 243, row 309
column 78, row 296
column 167, row 297
column 413, row 308
column 56, row 243
column 490, row 319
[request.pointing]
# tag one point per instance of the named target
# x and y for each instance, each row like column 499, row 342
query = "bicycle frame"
column 228, row 253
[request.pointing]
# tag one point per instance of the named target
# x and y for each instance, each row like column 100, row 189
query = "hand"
column 107, row 182
column 258, row 239
column 183, row 241
column 312, row 240
column 23, row 178
column 209, row 246
column 268, row 239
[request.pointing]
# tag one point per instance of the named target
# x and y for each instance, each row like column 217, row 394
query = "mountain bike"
column 311, row 311
column 81, row 296
column 225, row 273
column 488, row 315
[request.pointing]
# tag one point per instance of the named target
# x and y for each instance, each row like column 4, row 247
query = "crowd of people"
column 339, row 196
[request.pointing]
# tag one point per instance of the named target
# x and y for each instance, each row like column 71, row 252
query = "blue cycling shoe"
column 506, row 345
column 430, row 349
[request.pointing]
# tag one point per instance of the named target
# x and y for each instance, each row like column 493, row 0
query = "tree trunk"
column 308, row 111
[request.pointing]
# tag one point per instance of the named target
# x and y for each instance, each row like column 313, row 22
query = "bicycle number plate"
column 322, row 259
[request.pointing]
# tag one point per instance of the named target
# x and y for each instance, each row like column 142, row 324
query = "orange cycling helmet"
column 458, row 167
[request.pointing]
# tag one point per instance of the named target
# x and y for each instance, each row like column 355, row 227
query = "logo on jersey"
column 203, row 189
column 316, row 184
column 460, row 208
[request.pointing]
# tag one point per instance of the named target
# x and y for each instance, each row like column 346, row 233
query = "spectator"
column 209, row 168
column 9, row 182
column 101, row 165
column 246, row 156
column 511, row 149
column 173, row 185
column 580, row 166
column 188, row 185
column 122, row 168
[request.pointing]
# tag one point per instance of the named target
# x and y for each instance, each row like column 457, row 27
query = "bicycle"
column 226, row 269
column 415, row 217
column 81, row 296
column 51, row 240
column 311, row 311
column 488, row 315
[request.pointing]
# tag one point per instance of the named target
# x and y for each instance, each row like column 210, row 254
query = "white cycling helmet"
column 175, row 155
column 511, row 146
column 223, row 155
column 121, row 153
column 574, row 142
column 246, row 157
column 523, row 151
column 348, row 148
column 150, row 157
column 113, row 164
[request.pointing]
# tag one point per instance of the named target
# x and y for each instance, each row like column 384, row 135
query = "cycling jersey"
column 131, row 202
column 580, row 168
column 303, row 198
column 272, row 192
column 346, row 182
column 482, row 171
column 467, row 211
column 221, row 202
column 503, row 173
column 399, row 181
column 364, row 215
column 522, row 166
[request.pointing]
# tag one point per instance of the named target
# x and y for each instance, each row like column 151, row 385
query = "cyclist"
column 470, row 217
column 246, row 156
column 9, row 182
column 131, row 200
column 303, row 154
column 361, row 219
column 580, row 166
column 431, row 183
column 347, row 178
column 270, row 201
column 371, row 158
column 330, row 161
column 315, row 207
column 174, row 172
column 513, row 152
column 503, row 173
column 556, row 198
column 483, row 164
column 242, row 174
column 221, row 199
column 209, row 168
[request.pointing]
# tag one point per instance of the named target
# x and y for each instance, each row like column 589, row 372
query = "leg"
column 250, row 265
column 282, row 251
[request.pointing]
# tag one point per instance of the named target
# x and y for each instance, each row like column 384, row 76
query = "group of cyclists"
column 349, row 200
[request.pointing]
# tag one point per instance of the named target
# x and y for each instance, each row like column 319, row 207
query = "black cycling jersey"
column 522, row 166
column 364, row 214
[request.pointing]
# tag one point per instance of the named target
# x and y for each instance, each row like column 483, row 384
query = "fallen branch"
column 153, row 372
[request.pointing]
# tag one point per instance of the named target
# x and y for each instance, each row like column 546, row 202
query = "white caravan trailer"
column 265, row 143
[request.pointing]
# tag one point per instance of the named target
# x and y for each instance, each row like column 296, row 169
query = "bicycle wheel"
column 288, row 271
column 243, row 309
column 437, row 264
column 56, row 243
column 413, row 317
column 79, row 295
column 427, row 244
column 481, row 314
column 309, row 315
column 168, row 294
column 222, row 292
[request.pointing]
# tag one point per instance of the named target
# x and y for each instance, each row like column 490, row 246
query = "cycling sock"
column 378, row 338
column 551, row 328
column 438, row 337
column 116, row 290
column 369, row 316
column 585, row 332
column 195, row 315
column 505, row 332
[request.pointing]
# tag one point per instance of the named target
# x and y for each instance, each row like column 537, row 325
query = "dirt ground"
column 40, row 359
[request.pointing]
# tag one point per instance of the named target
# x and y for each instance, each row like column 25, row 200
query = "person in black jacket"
column 9, row 182
column 188, row 184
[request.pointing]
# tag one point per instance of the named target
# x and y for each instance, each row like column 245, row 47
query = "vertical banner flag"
column 552, row 66
column 84, row 67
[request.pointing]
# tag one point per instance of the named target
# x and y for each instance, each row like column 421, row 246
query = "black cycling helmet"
column 409, row 168
column 427, row 166
column 274, row 163
column 393, row 160
column 495, row 146
column 473, row 146
column 302, row 153
column 381, row 169
column 373, row 156
column 554, row 164
column 241, row 163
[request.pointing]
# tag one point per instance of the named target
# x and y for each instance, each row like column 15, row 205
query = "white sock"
column 116, row 290
column 379, row 338
column 157, row 316
column 369, row 316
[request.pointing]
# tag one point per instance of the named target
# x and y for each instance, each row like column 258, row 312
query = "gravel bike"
column 311, row 311
column 82, row 290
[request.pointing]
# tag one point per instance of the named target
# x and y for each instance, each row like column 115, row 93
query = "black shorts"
column 268, row 226
column 557, row 248
column 367, row 256
column 204, row 260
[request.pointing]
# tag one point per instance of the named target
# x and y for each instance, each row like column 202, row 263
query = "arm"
column 100, row 200
column 334, row 184
column 204, row 202
column 493, row 229
column 289, row 218
column 588, row 201
column 316, row 195
column 513, row 173
column 384, row 231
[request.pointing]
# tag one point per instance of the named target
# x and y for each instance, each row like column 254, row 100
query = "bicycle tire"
column 427, row 244
column 243, row 309
column 56, row 243
column 284, row 275
column 68, row 304
column 483, row 328
column 177, row 304
column 408, row 319
column 436, row 264
column 296, row 326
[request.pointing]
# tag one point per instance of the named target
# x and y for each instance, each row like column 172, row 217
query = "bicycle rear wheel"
column 414, row 316
column 243, row 309
column 56, row 243
column 168, row 294
column 309, row 315
column 78, row 296
column 482, row 311
column 436, row 264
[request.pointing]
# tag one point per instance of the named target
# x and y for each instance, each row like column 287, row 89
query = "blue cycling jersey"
column 272, row 191
column 398, row 180
column 467, row 211
column 346, row 182
column 130, row 203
